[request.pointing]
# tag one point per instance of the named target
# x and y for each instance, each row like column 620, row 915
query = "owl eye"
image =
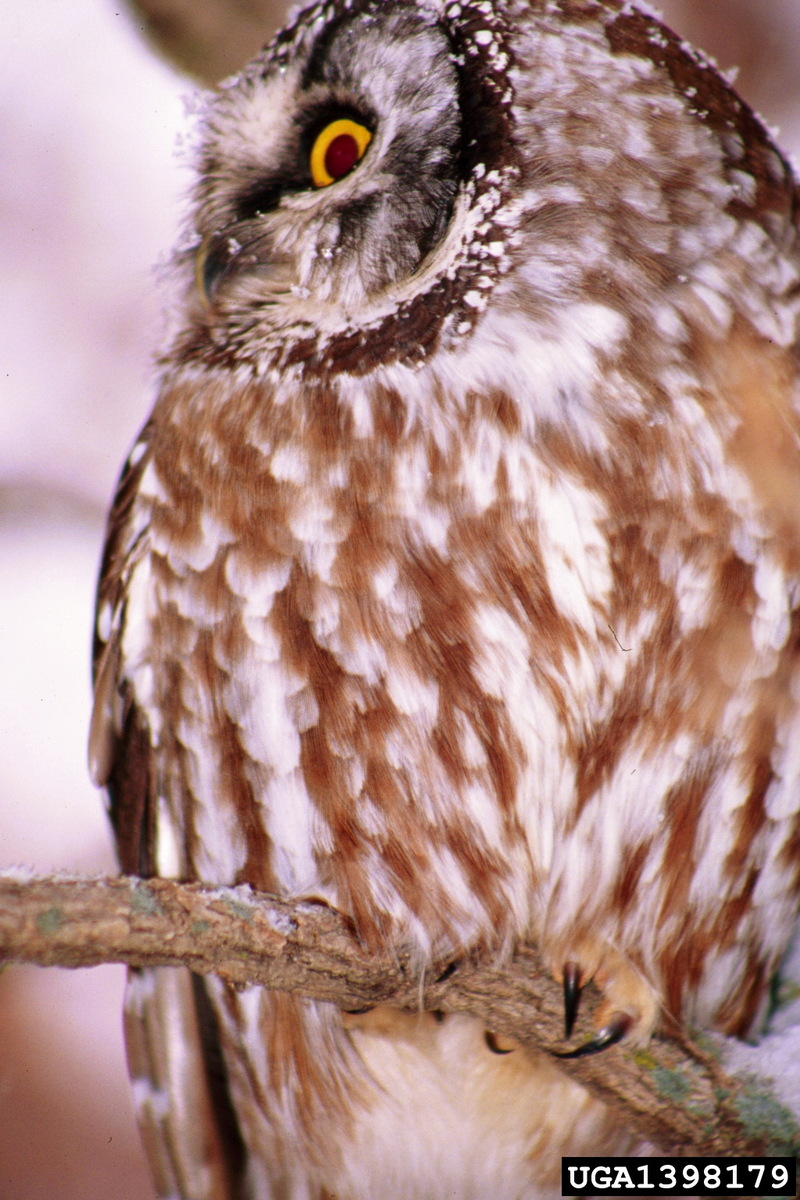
column 336, row 150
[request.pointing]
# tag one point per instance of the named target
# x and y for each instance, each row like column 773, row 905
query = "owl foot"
column 612, row 1033
column 629, row 1007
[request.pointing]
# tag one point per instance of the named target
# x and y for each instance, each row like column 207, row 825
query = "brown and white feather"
column 456, row 580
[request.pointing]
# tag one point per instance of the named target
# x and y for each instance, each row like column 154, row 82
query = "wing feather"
column 183, row 1109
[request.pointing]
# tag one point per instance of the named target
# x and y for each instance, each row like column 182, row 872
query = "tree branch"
column 674, row 1095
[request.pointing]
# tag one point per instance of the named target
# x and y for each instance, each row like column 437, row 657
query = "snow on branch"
column 673, row 1094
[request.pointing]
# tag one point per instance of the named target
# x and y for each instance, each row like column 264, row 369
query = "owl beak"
column 222, row 257
column 216, row 257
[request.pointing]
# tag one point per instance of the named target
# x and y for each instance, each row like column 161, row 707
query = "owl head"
column 360, row 163
column 368, row 181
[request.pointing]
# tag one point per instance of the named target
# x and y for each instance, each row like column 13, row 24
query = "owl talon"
column 497, row 1044
column 609, row 1035
column 572, row 995
column 449, row 970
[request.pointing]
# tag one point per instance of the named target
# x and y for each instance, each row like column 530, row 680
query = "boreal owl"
column 455, row 579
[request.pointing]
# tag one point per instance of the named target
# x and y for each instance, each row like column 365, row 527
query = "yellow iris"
column 337, row 149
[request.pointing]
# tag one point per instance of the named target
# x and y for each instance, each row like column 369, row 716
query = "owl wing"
column 179, row 1083
column 120, row 752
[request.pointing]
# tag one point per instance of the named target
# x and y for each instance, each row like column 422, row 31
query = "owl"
column 455, row 580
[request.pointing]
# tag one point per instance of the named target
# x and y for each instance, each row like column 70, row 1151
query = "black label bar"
column 679, row 1177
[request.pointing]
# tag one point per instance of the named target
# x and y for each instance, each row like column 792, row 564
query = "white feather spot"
column 289, row 464
column 256, row 584
column 384, row 579
column 294, row 828
column 574, row 548
column 169, row 863
column 150, row 1100
column 150, row 485
column 201, row 553
column 105, row 622
column 136, row 453
column 770, row 627
column 412, row 694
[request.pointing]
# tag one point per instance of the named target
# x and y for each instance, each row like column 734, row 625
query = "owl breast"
column 454, row 680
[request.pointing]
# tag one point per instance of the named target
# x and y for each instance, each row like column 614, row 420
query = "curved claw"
column 497, row 1045
column 613, row 1032
column 572, row 995
column 449, row 970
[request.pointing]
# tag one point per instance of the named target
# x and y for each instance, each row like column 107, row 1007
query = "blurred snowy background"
column 90, row 200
